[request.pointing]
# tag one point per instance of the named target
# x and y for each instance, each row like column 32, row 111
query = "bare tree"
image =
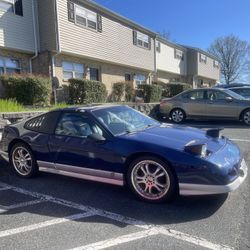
column 164, row 34
column 233, row 55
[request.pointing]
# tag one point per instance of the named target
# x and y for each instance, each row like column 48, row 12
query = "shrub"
column 82, row 91
column 28, row 89
column 150, row 93
column 122, row 91
column 173, row 88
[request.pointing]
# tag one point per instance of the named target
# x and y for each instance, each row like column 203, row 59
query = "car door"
column 71, row 146
column 221, row 105
column 194, row 102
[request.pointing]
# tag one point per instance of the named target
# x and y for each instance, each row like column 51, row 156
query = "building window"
column 85, row 17
column 140, row 79
column 141, row 40
column 158, row 46
column 94, row 74
column 128, row 77
column 216, row 64
column 14, row 6
column 9, row 66
column 72, row 70
column 179, row 54
column 203, row 58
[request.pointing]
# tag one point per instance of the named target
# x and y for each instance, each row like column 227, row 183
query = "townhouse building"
column 81, row 39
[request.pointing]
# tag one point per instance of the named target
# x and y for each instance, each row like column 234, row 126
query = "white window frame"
column 203, row 58
column 143, row 39
column 139, row 81
column 179, row 54
column 73, row 71
column 85, row 15
column 5, row 67
column 11, row 3
column 216, row 64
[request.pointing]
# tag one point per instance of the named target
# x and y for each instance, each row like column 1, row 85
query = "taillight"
column 163, row 102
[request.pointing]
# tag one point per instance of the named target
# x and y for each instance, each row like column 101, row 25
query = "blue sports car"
column 118, row 145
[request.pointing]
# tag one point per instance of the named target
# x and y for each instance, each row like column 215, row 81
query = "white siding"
column 207, row 69
column 16, row 32
column 167, row 62
column 114, row 44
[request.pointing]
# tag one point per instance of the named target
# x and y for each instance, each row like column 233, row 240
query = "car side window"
column 216, row 95
column 194, row 95
column 78, row 125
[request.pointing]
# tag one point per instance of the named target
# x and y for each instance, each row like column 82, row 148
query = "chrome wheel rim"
column 150, row 180
column 22, row 161
column 177, row 115
column 247, row 117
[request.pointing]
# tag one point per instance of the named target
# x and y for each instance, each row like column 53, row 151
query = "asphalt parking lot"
column 55, row 212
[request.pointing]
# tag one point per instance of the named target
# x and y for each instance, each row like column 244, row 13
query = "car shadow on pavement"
column 110, row 198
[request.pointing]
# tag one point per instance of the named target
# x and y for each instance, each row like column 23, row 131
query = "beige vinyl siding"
column 114, row 44
column 47, row 24
column 16, row 32
column 166, row 60
column 207, row 69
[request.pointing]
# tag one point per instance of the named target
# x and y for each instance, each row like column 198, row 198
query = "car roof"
column 244, row 87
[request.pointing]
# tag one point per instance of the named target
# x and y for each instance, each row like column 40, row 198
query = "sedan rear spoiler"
column 214, row 132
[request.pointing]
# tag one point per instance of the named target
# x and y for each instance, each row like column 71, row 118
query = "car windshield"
column 233, row 94
column 122, row 119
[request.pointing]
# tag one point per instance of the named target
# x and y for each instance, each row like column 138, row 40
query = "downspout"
column 155, row 63
column 58, row 48
column 35, row 37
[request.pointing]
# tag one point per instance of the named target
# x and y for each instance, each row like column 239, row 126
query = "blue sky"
column 191, row 22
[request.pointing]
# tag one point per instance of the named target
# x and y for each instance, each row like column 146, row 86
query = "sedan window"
column 76, row 125
column 194, row 95
column 216, row 95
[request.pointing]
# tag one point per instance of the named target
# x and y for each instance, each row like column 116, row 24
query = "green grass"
column 11, row 106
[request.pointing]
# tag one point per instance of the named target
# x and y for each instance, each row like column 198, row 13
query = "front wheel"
column 151, row 179
column 23, row 161
column 177, row 115
column 246, row 117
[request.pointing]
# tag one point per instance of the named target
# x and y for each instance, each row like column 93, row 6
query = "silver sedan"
column 206, row 103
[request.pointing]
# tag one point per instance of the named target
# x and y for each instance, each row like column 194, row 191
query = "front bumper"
column 200, row 189
column 4, row 155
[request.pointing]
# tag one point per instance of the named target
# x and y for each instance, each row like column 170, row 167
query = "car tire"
column 246, row 117
column 151, row 180
column 23, row 161
column 177, row 115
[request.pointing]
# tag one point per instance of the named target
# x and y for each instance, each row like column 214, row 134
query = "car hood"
column 176, row 136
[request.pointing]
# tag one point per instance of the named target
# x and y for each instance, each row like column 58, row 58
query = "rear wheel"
column 177, row 115
column 151, row 179
column 246, row 117
column 23, row 161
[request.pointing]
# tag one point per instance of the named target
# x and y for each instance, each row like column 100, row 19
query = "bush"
column 122, row 91
column 150, row 93
column 82, row 91
column 173, row 88
column 28, row 89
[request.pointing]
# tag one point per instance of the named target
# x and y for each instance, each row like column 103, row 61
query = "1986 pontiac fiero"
column 118, row 145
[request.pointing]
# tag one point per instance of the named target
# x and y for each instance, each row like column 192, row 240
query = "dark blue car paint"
column 164, row 141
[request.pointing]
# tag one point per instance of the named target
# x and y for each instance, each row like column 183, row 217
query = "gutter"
column 35, row 37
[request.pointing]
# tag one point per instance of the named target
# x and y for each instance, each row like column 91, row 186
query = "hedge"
column 150, row 93
column 82, row 91
column 28, row 89
column 122, row 91
column 173, row 88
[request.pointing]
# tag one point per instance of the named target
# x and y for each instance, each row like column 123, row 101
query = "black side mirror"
column 96, row 138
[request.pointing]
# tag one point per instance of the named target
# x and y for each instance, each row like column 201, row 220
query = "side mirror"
column 96, row 138
column 229, row 99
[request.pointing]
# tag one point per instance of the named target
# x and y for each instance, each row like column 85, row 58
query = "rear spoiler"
column 214, row 132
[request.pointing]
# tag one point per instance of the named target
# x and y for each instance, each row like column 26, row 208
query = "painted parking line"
column 240, row 140
column 118, row 240
column 20, row 205
column 48, row 223
column 90, row 211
